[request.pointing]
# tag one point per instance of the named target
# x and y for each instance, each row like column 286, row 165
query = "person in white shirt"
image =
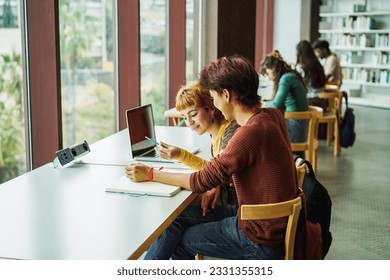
column 330, row 62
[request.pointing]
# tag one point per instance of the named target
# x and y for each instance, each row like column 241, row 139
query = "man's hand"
column 137, row 172
column 210, row 199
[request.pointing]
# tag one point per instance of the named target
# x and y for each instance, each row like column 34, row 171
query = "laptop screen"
column 140, row 123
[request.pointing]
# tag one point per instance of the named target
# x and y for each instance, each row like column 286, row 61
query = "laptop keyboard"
column 151, row 153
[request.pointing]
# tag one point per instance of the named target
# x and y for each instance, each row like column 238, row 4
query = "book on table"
column 125, row 185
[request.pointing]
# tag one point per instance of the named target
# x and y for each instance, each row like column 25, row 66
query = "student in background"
column 289, row 93
column 194, row 102
column 311, row 69
column 329, row 61
column 258, row 157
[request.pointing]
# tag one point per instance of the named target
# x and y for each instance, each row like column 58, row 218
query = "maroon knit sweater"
column 259, row 158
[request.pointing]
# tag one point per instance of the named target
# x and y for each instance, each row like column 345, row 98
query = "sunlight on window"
column 87, row 76
column 12, row 126
column 153, row 60
column 189, row 40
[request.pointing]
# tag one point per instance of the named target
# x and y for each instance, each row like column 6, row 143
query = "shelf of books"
column 359, row 35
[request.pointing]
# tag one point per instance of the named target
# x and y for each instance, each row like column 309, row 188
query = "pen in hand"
column 151, row 140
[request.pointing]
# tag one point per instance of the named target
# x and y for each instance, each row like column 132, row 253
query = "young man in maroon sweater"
column 259, row 160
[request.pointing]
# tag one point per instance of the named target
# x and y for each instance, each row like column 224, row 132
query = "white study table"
column 65, row 213
column 115, row 149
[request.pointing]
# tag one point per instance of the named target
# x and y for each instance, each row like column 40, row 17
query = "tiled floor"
column 358, row 182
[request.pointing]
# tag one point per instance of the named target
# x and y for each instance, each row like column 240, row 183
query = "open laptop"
column 140, row 123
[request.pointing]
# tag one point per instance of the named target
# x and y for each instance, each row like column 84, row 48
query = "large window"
column 153, row 59
column 12, row 127
column 190, row 40
column 87, row 77
column 88, row 97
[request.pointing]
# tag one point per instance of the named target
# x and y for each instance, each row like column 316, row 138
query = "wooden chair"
column 310, row 146
column 332, row 86
column 318, row 112
column 290, row 209
column 336, row 88
column 176, row 118
column 331, row 118
column 301, row 171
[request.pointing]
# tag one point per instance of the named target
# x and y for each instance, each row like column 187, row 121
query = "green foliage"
column 154, row 96
column 189, row 47
column 109, row 31
column 96, row 114
column 9, row 19
column 11, row 116
column 77, row 31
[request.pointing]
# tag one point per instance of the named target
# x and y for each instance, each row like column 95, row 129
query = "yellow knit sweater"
column 195, row 162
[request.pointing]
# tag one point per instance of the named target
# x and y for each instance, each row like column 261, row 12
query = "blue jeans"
column 216, row 235
column 297, row 131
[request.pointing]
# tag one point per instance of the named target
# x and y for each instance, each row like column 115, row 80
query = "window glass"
column 189, row 40
column 153, row 60
column 87, row 72
column 12, row 125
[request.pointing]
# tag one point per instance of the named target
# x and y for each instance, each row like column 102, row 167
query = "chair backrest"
column 175, row 116
column 335, row 86
column 318, row 112
column 309, row 145
column 334, row 99
column 290, row 209
column 301, row 171
column 332, row 118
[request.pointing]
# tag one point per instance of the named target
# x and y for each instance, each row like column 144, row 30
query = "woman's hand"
column 137, row 172
column 166, row 151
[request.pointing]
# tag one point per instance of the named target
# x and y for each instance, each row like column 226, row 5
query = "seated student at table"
column 330, row 62
column 289, row 93
column 258, row 157
column 310, row 68
column 313, row 73
column 194, row 102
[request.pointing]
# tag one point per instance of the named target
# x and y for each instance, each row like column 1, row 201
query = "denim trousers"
column 216, row 235
column 297, row 131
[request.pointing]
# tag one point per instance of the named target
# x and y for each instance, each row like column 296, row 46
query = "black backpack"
column 318, row 205
column 347, row 128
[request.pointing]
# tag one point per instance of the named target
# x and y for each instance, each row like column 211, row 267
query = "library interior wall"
column 287, row 27
column 209, row 41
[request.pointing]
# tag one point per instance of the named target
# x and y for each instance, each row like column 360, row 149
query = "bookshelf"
column 359, row 33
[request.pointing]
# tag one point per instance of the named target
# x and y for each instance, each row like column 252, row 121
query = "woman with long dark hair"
column 289, row 93
column 312, row 72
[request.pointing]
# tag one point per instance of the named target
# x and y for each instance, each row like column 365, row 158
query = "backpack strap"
column 309, row 174
column 345, row 95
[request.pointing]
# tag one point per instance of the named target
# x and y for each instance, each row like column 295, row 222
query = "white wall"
column 287, row 27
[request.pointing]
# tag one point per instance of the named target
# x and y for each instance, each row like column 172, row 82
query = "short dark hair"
column 234, row 73
column 321, row 44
